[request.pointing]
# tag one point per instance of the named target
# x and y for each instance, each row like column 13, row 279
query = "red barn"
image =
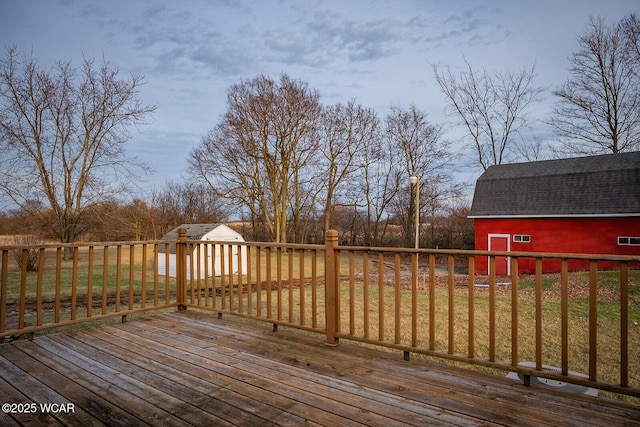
column 580, row 205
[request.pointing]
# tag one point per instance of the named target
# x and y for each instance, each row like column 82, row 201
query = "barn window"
column 524, row 238
column 626, row 240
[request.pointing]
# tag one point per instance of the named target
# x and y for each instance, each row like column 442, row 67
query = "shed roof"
column 194, row 232
column 605, row 185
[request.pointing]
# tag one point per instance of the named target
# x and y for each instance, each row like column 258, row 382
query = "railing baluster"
column 240, row 281
column 182, row 268
column 471, row 339
column 231, row 283
column 336, row 279
column 398, row 307
column 249, row 281
column 365, row 293
column 203, row 274
column 331, row 293
column 380, row 296
column 223, row 286
column 414, row 300
column 514, row 311
column 290, row 282
column 118, row 275
column 269, row 284
column 352, row 294
column 198, row 279
column 214, row 287
column 314, row 289
column 538, row 315
column 593, row 320
column 279, row 281
column 41, row 267
column 492, row 308
column 167, row 268
column 432, row 302
column 131, row 274
column 90, row 283
column 105, row 278
column 3, row 291
column 206, row 276
column 143, row 278
column 56, row 314
column 167, row 273
column 624, row 324
column 301, row 286
column 451, row 299
column 23, row 286
column 564, row 316
column 156, row 275
column 258, row 281
column 74, row 283
column 192, row 272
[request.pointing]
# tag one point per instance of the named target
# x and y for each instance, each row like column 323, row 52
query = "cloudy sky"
column 378, row 52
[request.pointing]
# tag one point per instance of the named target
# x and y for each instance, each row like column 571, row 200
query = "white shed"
column 212, row 232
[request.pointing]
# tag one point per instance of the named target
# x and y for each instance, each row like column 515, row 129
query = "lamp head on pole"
column 413, row 179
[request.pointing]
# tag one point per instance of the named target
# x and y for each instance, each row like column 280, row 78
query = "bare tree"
column 63, row 135
column 598, row 108
column 419, row 149
column 381, row 181
column 345, row 131
column 175, row 204
column 533, row 149
column 255, row 155
column 491, row 107
column 630, row 27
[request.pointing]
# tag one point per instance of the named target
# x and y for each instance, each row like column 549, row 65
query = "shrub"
column 32, row 253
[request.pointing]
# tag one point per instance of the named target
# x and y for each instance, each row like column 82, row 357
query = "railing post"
column 181, row 269
column 330, row 275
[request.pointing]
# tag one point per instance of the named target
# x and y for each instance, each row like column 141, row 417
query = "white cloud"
column 378, row 52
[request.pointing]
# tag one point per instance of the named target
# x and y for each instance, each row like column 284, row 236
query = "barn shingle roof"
column 605, row 185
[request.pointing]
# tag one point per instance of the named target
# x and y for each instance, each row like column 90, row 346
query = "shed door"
column 500, row 242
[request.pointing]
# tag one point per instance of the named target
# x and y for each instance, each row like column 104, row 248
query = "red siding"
column 559, row 235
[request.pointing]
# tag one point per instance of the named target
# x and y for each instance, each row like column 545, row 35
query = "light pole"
column 415, row 180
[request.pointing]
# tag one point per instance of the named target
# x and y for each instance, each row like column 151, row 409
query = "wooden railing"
column 579, row 327
column 429, row 302
column 99, row 281
column 283, row 284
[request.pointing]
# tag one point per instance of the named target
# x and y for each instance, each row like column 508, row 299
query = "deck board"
column 297, row 384
column 190, row 368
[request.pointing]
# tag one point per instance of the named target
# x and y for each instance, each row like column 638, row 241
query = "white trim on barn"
column 206, row 232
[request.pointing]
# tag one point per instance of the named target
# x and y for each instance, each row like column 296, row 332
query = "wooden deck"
column 191, row 368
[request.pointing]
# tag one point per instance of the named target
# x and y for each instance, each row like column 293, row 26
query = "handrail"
column 426, row 251
column 88, row 287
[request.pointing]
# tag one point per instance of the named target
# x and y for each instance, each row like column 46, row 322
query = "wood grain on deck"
column 191, row 368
